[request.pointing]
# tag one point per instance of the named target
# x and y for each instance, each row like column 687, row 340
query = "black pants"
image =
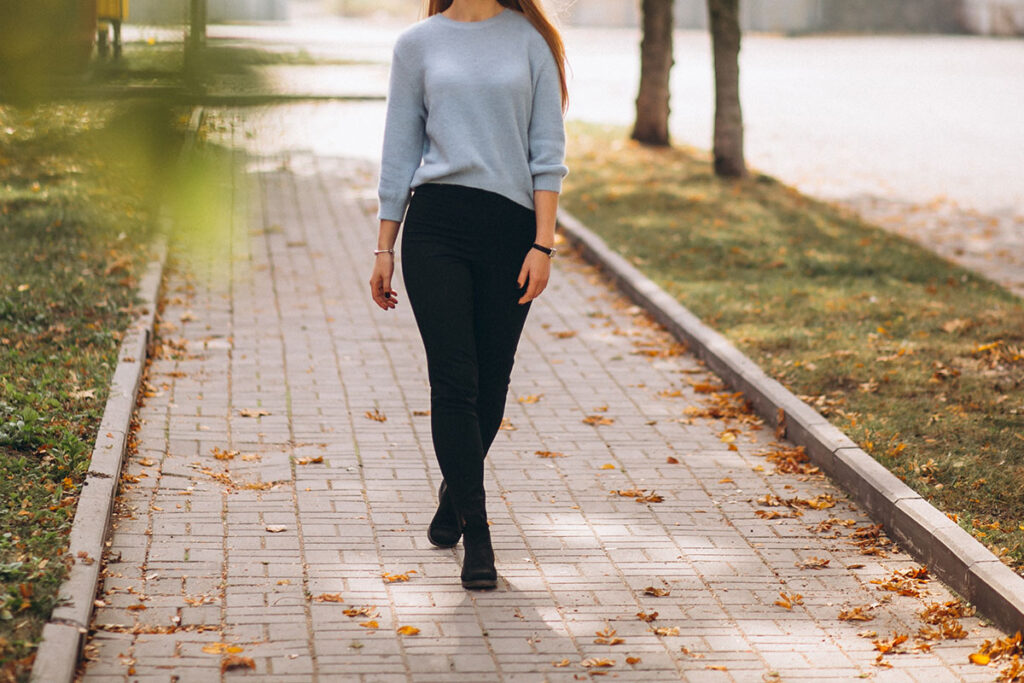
column 462, row 250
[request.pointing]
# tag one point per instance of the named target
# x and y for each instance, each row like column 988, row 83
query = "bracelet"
column 377, row 252
column 547, row 250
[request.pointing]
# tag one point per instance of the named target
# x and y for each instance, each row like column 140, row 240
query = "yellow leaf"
column 979, row 659
column 369, row 624
column 221, row 649
column 532, row 398
column 633, row 660
column 408, row 630
column 716, row 667
column 564, row 662
column 607, row 466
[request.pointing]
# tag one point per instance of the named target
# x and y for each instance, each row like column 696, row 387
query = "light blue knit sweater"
column 479, row 104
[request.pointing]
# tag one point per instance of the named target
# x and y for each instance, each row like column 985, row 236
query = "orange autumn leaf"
column 408, row 630
column 221, row 649
column 369, row 624
column 633, row 660
column 656, row 592
column 549, row 454
column 235, row 662
column 607, row 466
column 672, row 461
column 596, row 420
column 376, row 415
column 979, row 659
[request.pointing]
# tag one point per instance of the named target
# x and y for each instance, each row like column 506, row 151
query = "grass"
column 75, row 220
column 919, row 361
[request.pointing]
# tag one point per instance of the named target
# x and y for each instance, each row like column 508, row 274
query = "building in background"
column 988, row 17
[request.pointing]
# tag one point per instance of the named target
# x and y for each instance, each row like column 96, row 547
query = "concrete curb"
column 949, row 552
column 58, row 652
column 61, row 644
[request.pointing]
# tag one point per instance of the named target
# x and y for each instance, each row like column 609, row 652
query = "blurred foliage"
column 918, row 360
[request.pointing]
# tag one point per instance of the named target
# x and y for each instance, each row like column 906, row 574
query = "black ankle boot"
column 478, row 572
column 444, row 530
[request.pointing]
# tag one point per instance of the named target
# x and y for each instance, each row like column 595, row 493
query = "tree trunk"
column 725, row 42
column 652, row 105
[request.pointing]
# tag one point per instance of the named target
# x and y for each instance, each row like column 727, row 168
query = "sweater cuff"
column 392, row 209
column 548, row 181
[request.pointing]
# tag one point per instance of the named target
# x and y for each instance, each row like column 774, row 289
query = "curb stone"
column 949, row 552
column 58, row 652
column 61, row 644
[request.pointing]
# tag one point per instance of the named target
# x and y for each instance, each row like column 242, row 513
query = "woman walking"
column 474, row 132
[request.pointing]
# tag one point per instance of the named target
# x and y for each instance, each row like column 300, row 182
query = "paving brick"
column 282, row 323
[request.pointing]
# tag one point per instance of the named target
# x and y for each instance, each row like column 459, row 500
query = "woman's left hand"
column 535, row 272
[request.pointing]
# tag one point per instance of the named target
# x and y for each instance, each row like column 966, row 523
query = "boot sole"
column 480, row 584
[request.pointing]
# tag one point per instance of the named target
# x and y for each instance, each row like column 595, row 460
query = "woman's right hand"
column 380, row 281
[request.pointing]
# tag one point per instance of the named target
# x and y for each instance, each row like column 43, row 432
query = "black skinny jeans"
column 462, row 249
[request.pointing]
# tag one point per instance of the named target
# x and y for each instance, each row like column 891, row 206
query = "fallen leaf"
column 506, row 425
column 726, row 480
column 312, row 460
column 607, row 466
column 716, row 667
column 812, row 563
column 222, row 454
column 608, row 637
column 549, row 454
column 656, row 592
column 221, row 649
column 788, row 600
column 375, row 415
column 979, row 659
column 276, row 528
column 856, row 614
column 392, row 578
column 595, row 661
column 665, row 630
column 564, row 662
column 365, row 611
column 329, row 597
column 633, row 660
column 672, row 461
column 532, row 398
column 565, row 334
column 598, row 420
column 236, row 662
column 647, row 616
column 868, row 634
column 408, row 630
column 252, row 412
column 369, row 624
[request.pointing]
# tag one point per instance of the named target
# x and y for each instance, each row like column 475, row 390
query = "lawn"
column 919, row 361
column 75, row 224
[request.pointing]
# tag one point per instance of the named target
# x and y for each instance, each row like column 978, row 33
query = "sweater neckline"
column 473, row 24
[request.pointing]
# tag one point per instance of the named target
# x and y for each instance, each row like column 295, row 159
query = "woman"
column 474, row 130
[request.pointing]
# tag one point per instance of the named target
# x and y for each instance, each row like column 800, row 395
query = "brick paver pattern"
column 284, row 465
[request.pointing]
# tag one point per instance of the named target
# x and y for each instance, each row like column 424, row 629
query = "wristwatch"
column 550, row 251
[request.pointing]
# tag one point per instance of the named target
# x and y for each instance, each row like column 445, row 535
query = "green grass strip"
column 919, row 361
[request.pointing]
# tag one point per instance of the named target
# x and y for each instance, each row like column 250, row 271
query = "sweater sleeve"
column 547, row 129
column 404, row 133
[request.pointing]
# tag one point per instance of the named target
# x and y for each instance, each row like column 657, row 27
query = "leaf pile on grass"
column 72, row 232
column 919, row 361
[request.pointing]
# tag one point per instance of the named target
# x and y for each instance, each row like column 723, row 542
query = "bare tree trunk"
column 725, row 41
column 652, row 106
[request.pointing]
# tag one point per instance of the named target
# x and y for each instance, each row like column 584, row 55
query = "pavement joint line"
column 944, row 547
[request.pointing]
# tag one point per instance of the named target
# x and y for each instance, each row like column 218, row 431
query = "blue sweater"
column 479, row 104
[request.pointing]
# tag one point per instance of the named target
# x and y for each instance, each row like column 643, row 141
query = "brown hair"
column 535, row 13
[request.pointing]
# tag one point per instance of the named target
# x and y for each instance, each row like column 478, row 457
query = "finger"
column 523, row 274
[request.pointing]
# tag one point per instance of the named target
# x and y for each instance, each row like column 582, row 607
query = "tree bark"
column 652, row 102
column 725, row 42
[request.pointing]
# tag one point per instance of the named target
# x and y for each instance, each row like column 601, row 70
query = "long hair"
column 535, row 13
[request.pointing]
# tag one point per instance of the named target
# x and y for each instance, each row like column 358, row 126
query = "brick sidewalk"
column 273, row 357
